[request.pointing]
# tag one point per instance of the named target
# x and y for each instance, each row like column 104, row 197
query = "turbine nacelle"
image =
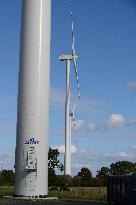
column 67, row 57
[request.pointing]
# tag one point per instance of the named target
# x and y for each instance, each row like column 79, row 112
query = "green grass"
column 82, row 193
column 6, row 190
column 75, row 193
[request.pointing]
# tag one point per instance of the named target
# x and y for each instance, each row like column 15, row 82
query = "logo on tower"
column 32, row 141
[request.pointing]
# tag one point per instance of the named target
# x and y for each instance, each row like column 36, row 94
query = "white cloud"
column 92, row 127
column 123, row 155
column 116, row 120
column 86, row 157
column 82, row 151
column 61, row 149
column 73, row 149
column 131, row 85
column 7, row 161
column 81, row 165
column 115, row 156
column 133, row 148
column 94, row 161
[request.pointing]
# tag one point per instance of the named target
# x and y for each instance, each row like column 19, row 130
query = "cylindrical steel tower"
column 31, row 157
column 67, row 166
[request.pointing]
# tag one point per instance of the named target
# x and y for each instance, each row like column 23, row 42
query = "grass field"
column 6, row 190
column 81, row 193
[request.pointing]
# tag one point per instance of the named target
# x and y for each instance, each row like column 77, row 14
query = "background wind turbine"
column 68, row 58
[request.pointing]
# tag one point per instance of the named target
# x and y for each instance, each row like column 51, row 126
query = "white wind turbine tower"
column 31, row 155
column 68, row 58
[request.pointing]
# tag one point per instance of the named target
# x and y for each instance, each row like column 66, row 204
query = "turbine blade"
column 73, row 112
column 74, row 57
column 76, row 75
column 73, row 39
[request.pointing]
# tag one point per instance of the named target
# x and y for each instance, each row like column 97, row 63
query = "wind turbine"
column 31, row 155
column 68, row 58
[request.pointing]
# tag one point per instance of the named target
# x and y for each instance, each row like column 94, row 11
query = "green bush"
column 64, row 188
column 54, row 188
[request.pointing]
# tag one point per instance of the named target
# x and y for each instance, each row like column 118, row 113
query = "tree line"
column 83, row 178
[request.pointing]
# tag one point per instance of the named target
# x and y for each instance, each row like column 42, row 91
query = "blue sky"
column 105, row 38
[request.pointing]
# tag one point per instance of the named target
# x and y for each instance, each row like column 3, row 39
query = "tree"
column 123, row 168
column 53, row 161
column 96, row 182
column 7, row 177
column 85, row 177
column 1, row 180
column 52, row 178
column 103, row 172
column 64, row 181
column 102, row 175
column 76, row 181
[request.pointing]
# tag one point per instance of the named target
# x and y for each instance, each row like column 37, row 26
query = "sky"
column 105, row 42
